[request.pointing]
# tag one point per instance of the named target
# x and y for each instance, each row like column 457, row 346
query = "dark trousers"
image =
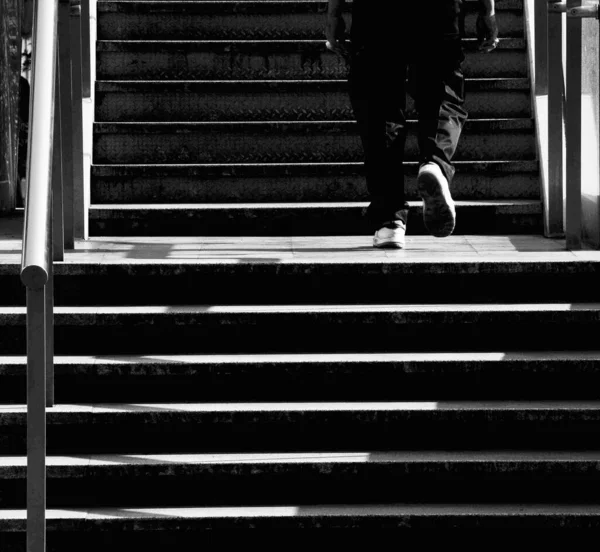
column 421, row 42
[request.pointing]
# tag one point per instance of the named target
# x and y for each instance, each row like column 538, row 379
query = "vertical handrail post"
column 66, row 123
column 556, row 93
column 86, row 54
column 36, row 420
column 541, row 15
column 49, row 332
column 573, row 127
column 58, row 243
column 77, row 114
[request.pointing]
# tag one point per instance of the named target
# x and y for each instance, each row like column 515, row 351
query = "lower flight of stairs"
column 188, row 423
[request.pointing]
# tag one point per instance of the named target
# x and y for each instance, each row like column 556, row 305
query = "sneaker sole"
column 439, row 215
column 388, row 244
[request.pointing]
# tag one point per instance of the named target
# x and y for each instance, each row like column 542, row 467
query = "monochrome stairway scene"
column 234, row 357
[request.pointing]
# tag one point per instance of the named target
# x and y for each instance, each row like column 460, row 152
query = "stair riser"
column 304, row 485
column 233, row 333
column 193, row 189
column 334, row 221
column 343, row 283
column 189, row 62
column 204, row 22
column 185, row 432
column 251, row 384
column 302, row 146
column 302, row 105
column 320, row 530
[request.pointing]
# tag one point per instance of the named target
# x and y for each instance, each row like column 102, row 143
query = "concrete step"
column 132, row 429
column 183, row 529
column 153, row 101
column 304, row 219
column 300, row 182
column 539, row 375
column 168, row 20
column 289, row 142
column 478, row 269
column 324, row 328
column 350, row 477
column 273, row 59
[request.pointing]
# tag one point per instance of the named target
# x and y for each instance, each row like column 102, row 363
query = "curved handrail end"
column 34, row 277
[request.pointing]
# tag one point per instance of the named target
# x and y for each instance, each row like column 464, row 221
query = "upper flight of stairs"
column 226, row 118
column 227, row 360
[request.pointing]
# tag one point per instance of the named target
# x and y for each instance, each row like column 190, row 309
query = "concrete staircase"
column 277, row 372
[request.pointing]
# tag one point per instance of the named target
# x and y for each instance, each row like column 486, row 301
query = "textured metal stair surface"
column 194, row 59
column 118, row 101
column 228, row 20
column 202, row 88
column 294, row 219
column 295, row 182
column 287, row 142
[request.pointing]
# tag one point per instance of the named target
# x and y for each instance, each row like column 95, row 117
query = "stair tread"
column 107, row 85
column 290, row 511
column 159, row 126
column 340, row 168
column 296, row 205
column 501, row 4
column 491, row 358
column 400, row 308
column 124, row 44
column 9, row 464
column 64, row 411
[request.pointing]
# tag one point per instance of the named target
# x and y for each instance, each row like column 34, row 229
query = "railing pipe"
column 86, row 55
column 554, row 200
column 36, row 264
column 573, row 128
column 77, row 121
column 66, row 120
column 36, row 420
column 35, row 260
column 58, row 240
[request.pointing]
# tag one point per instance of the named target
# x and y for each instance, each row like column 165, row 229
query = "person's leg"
column 439, row 99
column 378, row 99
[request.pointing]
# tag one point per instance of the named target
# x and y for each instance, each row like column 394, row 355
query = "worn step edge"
column 168, row 365
column 14, row 467
column 335, row 127
column 241, row 6
column 508, row 206
column 62, row 413
column 302, row 169
column 258, row 46
column 8, row 314
column 296, row 85
column 287, row 516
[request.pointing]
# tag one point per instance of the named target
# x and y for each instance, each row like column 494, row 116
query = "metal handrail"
column 53, row 166
column 36, row 266
column 564, row 117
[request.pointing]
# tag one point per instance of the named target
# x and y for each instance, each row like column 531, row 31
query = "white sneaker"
column 439, row 213
column 390, row 235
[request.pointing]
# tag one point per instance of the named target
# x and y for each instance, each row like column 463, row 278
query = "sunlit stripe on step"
column 313, row 511
column 306, row 407
column 349, row 457
column 291, row 309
